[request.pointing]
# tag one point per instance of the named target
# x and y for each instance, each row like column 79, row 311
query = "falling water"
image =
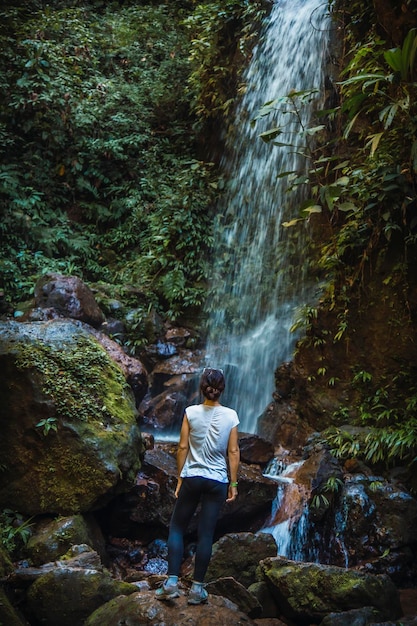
column 259, row 277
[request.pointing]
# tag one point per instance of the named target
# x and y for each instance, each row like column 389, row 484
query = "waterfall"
column 259, row 275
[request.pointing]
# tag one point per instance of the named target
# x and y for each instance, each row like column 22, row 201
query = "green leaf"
column 268, row 135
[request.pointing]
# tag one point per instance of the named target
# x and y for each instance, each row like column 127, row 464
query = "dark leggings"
column 211, row 494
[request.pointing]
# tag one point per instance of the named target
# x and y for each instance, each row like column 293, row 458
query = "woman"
column 208, row 447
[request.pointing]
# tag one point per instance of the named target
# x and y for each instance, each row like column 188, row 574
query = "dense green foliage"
column 101, row 171
column 362, row 182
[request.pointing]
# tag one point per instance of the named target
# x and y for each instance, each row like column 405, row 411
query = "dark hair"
column 212, row 383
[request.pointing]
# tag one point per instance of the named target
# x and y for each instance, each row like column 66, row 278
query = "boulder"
column 282, row 425
column 255, row 449
column 52, row 538
column 142, row 609
column 70, row 440
column 237, row 555
column 228, row 587
column 69, row 296
column 67, row 595
column 307, row 592
column 151, row 500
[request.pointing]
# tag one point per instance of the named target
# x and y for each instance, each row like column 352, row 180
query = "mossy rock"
column 54, row 537
column 307, row 592
column 68, row 596
column 70, row 440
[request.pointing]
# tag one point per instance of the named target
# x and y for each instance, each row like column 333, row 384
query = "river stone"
column 69, row 296
column 142, row 609
column 67, row 596
column 57, row 376
column 238, row 555
column 307, row 592
column 54, row 537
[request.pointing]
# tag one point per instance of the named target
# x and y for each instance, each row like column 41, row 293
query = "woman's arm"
column 233, row 454
column 182, row 451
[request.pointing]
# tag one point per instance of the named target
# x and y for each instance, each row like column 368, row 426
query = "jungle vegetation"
column 110, row 123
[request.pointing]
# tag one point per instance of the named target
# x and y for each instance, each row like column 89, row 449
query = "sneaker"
column 197, row 595
column 167, row 592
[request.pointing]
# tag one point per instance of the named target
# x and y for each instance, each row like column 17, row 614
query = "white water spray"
column 259, row 278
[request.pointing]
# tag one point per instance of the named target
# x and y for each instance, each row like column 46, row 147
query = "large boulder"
column 68, row 595
column 237, row 555
column 142, row 609
column 69, row 438
column 306, row 592
column 52, row 538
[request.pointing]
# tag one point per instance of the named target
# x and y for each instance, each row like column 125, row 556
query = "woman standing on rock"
column 208, row 439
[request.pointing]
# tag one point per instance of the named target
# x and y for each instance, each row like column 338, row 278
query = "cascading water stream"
column 259, row 278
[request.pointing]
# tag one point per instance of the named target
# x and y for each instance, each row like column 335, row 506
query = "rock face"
column 69, row 436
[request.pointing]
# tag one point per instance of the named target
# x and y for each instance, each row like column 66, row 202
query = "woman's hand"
column 231, row 494
column 178, row 487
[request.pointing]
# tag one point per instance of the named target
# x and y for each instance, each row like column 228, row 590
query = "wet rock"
column 178, row 336
column 307, row 592
column 228, row 587
column 67, row 596
column 151, row 500
column 69, row 296
column 52, row 538
column 237, row 555
column 141, row 609
column 282, row 425
column 255, row 449
column 375, row 520
column 164, row 413
column 70, row 441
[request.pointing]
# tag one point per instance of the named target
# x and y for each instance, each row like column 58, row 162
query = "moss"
column 80, row 378
column 69, row 485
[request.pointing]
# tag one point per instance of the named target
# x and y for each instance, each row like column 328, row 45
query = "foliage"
column 362, row 186
column 14, row 531
column 78, row 380
column 220, row 32
column 98, row 169
column 47, row 424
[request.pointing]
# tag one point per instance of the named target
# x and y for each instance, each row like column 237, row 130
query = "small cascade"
column 259, row 276
column 289, row 519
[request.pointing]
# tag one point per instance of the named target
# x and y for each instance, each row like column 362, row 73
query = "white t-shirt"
column 210, row 428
